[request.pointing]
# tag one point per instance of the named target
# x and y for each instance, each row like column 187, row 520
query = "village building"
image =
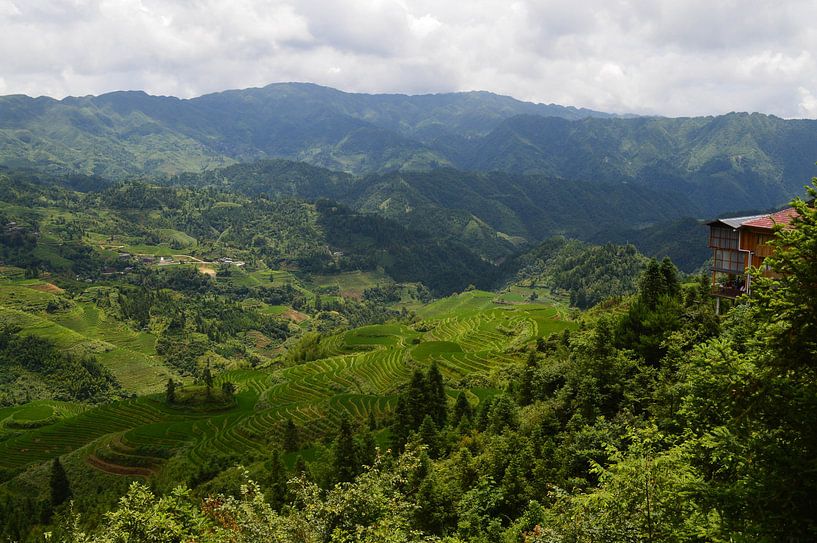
column 741, row 243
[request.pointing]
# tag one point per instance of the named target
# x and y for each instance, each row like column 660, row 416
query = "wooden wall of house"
column 756, row 241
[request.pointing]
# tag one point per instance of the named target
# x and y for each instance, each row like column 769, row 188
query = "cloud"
column 643, row 56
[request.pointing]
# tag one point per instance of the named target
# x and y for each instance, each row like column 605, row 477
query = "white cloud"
column 644, row 56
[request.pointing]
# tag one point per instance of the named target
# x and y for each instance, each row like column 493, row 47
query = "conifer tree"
column 207, row 377
column 652, row 285
column 484, row 414
column 60, row 487
column 526, row 386
column 401, row 426
column 301, row 469
column 291, row 437
column 437, row 399
column 417, row 399
column 170, row 391
column 277, row 481
column 428, row 435
column 366, row 448
column 670, row 274
column 344, row 462
column 462, row 409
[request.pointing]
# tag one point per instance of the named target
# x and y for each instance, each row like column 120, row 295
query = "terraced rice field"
column 465, row 335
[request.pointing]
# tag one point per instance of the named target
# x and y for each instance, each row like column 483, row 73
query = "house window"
column 728, row 261
column 763, row 239
column 723, row 238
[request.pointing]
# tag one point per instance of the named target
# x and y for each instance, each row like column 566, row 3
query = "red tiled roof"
column 784, row 216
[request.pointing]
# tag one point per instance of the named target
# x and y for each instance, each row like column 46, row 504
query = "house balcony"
column 728, row 290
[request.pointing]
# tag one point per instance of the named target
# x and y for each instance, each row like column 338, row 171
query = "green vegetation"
column 175, row 340
column 653, row 420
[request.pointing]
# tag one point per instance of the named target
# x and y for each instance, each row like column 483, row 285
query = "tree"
column 652, row 285
column 437, row 405
column 749, row 398
column 526, row 386
column 277, row 481
column 401, row 425
column 417, row 399
column 428, row 435
column 670, row 274
column 291, row 438
column 207, row 377
column 170, row 391
column 462, row 409
column 60, row 486
column 228, row 388
column 344, row 461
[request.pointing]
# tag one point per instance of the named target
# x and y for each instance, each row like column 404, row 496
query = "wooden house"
column 738, row 243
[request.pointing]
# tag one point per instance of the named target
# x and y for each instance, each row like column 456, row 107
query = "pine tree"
column 170, row 391
column 291, row 437
column 437, row 399
column 528, row 376
column 462, row 409
column 345, row 462
column 228, row 388
column 301, row 469
column 670, row 274
column 417, row 399
column 366, row 448
column 428, row 435
column 60, row 487
column 207, row 377
column 277, row 481
column 401, row 425
column 652, row 285
column 484, row 415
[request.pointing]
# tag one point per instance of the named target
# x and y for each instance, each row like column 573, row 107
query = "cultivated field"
column 468, row 335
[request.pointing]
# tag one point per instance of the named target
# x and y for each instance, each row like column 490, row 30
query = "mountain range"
column 727, row 162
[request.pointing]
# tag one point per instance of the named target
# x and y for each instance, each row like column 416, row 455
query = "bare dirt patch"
column 295, row 316
column 47, row 287
column 356, row 293
column 207, row 270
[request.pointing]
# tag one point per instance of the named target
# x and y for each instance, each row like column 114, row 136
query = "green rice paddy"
column 469, row 334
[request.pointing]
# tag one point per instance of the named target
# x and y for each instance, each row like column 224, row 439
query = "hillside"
column 728, row 162
column 493, row 214
column 721, row 163
column 122, row 134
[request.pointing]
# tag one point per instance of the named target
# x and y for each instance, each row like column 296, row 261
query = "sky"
column 663, row 57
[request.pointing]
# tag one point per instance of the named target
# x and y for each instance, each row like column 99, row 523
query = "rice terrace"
column 469, row 336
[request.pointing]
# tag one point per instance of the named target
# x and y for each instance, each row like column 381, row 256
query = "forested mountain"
column 122, row 134
column 722, row 163
column 316, row 237
column 494, row 214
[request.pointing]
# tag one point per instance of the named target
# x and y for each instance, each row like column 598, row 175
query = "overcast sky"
column 669, row 57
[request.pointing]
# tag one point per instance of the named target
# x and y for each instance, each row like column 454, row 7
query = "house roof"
column 784, row 217
column 736, row 222
column 767, row 220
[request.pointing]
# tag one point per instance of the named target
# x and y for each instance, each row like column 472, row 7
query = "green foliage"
column 36, row 366
column 589, row 273
column 58, row 483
